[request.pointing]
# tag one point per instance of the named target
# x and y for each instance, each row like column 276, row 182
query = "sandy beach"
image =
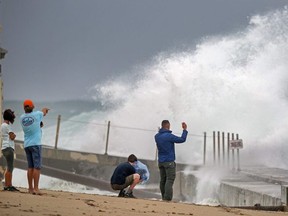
column 59, row 203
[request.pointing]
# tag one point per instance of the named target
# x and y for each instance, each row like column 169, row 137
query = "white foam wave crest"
column 234, row 83
column 207, row 190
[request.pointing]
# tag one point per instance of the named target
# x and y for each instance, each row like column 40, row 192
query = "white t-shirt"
column 6, row 141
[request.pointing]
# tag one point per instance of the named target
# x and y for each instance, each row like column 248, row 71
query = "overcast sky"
column 58, row 49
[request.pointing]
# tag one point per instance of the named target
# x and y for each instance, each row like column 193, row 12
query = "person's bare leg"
column 30, row 180
column 36, row 178
column 8, row 178
column 136, row 180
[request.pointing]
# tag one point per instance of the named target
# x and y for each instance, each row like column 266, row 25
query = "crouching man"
column 125, row 175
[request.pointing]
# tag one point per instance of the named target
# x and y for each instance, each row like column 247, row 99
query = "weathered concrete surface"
column 267, row 174
column 249, row 193
column 239, row 189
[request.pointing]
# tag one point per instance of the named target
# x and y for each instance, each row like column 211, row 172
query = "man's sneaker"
column 129, row 195
column 12, row 188
column 121, row 193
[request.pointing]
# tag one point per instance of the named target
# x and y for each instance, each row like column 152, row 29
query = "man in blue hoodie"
column 165, row 141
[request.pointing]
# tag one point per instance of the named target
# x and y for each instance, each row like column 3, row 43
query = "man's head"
column 165, row 124
column 132, row 158
column 28, row 106
column 8, row 115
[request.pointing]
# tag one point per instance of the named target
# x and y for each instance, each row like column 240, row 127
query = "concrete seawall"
column 234, row 189
column 249, row 194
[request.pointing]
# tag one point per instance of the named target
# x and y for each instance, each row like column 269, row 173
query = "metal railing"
column 215, row 147
column 223, row 142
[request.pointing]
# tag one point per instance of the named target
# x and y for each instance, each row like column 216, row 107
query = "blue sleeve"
column 181, row 139
column 143, row 171
column 40, row 115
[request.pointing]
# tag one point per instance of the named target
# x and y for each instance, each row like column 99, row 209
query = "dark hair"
column 132, row 158
column 165, row 122
column 8, row 115
column 28, row 109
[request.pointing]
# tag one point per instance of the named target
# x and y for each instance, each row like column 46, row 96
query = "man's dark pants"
column 167, row 177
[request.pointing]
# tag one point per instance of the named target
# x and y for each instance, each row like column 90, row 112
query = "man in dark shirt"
column 125, row 175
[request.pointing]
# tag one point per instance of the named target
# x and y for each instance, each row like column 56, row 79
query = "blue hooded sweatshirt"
column 165, row 142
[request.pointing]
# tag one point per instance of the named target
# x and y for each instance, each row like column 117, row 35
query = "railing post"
column 233, row 154
column 156, row 149
column 57, row 131
column 223, row 147
column 204, row 150
column 228, row 149
column 156, row 154
column 107, row 138
column 214, row 147
column 218, row 141
column 238, row 155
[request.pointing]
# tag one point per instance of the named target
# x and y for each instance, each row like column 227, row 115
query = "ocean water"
column 232, row 83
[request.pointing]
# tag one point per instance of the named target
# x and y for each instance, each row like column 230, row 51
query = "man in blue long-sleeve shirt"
column 165, row 142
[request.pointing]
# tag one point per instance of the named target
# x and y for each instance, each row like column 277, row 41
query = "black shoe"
column 12, row 188
column 129, row 195
column 121, row 193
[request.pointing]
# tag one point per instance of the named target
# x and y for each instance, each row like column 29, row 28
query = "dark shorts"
column 8, row 153
column 128, row 181
column 34, row 157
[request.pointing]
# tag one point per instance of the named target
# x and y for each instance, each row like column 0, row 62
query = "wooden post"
column 214, row 147
column 228, row 149
column 57, row 131
column 233, row 155
column 223, row 147
column 218, row 141
column 107, row 138
column 156, row 154
column 238, row 155
column 204, row 150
